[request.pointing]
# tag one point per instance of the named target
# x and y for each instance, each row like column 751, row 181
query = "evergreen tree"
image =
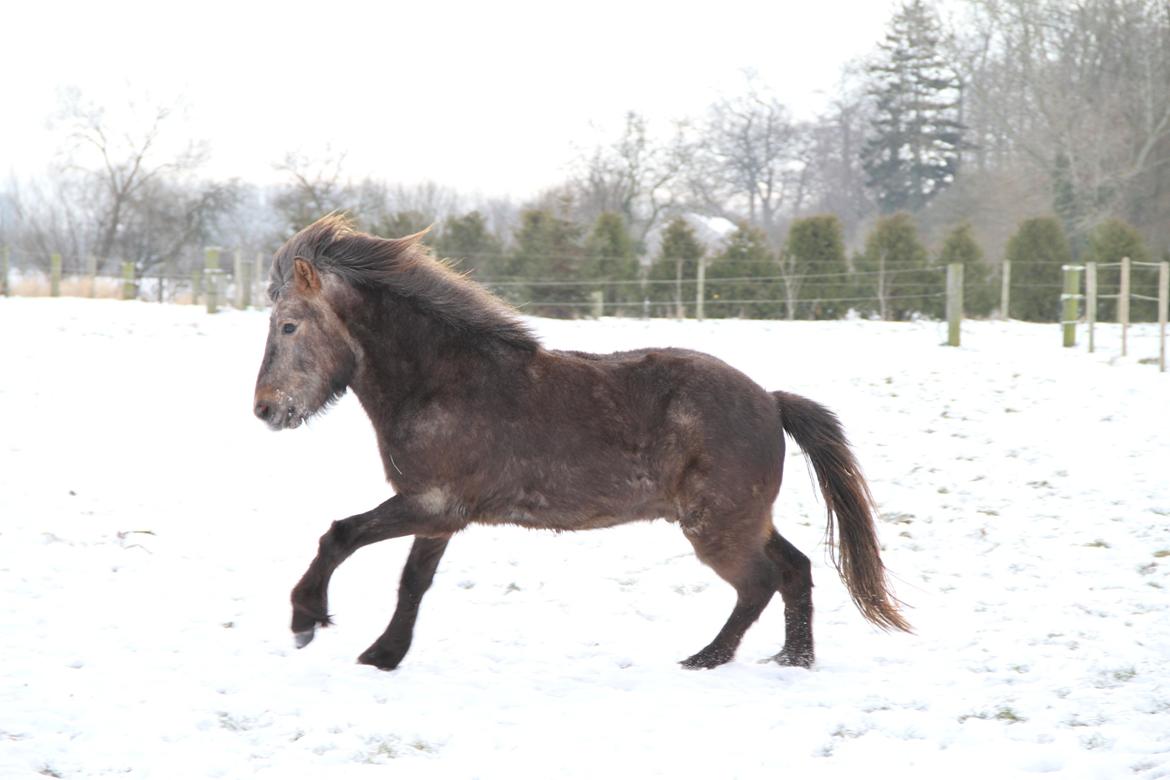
column 893, row 271
column 979, row 294
column 815, row 269
column 1110, row 241
column 467, row 242
column 547, row 255
column 1037, row 251
column 673, row 273
column 742, row 280
column 913, row 151
column 610, row 260
column 402, row 223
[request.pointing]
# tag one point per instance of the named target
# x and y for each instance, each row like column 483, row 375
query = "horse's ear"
column 305, row 276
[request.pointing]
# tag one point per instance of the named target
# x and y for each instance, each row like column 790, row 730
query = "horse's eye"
column 288, row 328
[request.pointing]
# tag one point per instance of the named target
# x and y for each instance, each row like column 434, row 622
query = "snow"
column 151, row 528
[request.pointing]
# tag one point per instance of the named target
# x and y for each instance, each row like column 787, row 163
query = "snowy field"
column 151, row 528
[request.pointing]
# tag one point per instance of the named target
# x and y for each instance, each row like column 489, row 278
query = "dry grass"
column 71, row 286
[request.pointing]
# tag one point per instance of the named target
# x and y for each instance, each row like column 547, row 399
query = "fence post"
column 55, row 274
column 1091, row 301
column 954, row 302
column 1068, row 307
column 166, row 271
column 5, row 259
column 1123, row 306
column 211, row 274
column 243, row 282
column 597, row 303
column 91, row 275
column 261, row 293
column 129, row 289
column 1163, row 306
column 1005, row 290
column 699, row 291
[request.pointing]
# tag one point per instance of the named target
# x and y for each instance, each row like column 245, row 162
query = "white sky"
column 488, row 97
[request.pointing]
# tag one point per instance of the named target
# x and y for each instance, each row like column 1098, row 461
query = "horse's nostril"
column 263, row 410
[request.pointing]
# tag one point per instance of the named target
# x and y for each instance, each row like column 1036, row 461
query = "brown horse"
column 477, row 422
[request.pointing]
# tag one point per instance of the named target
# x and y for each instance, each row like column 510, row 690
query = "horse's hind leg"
column 755, row 579
column 795, row 574
column 418, row 573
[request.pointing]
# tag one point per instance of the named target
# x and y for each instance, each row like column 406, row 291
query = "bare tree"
column 754, row 160
column 119, row 164
column 635, row 177
column 1081, row 91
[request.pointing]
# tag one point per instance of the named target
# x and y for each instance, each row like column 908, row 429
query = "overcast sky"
column 487, row 97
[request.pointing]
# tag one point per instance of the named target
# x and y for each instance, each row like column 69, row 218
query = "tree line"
column 1037, row 129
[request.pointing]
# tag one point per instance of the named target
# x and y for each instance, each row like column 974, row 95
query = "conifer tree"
column 673, row 273
column 1037, row 251
column 1110, row 241
column 815, row 270
column 743, row 279
column 468, row 243
column 610, row 261
column 893, row 270
column 912, row 153
column 979, row 295
column 547, row 255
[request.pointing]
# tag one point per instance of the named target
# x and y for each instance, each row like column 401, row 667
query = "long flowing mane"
column 405, row 267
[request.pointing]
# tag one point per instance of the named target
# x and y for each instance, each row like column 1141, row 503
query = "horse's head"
column 310, row 357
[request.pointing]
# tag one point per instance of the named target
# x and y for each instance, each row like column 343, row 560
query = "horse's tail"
column 847, row 498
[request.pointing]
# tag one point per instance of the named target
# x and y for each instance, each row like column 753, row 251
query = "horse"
column 477, row 422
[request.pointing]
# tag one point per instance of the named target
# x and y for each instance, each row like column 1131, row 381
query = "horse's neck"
column 405, row 352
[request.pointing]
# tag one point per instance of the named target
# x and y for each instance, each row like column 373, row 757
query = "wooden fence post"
column 55, row 274
column 261, row 293
column 699, row 290
column 954, row 303
column 5, row 260
column 1163, row 307
column 91, row 275
column 211, row 278
column 129, row 288
column 1005, row 290
column 243, row 282
column 1091, row 301
column 1123, row 306
column 597, row 303
column 1069, row 298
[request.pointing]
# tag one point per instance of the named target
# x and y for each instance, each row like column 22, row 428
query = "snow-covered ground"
column 150, row 530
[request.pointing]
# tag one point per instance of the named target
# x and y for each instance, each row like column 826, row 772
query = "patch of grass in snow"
column 842, row 732
column 49, row 771
column 1095, row 742
column 1162, row 554
column 381, row 749
column 1124, row 675
column 1097, row 543
column 1003, row 713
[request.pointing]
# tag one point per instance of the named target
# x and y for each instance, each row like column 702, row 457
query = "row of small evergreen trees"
column 555, row 267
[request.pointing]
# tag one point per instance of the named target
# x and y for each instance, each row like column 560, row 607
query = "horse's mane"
column 333, row 245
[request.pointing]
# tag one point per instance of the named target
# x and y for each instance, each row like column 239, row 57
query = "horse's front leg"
column 418, row 573
column 400, row 516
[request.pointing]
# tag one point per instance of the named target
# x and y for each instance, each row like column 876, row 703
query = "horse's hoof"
column 303, row 638
column 785, row 658
column 379, row 658
column 705, row 659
